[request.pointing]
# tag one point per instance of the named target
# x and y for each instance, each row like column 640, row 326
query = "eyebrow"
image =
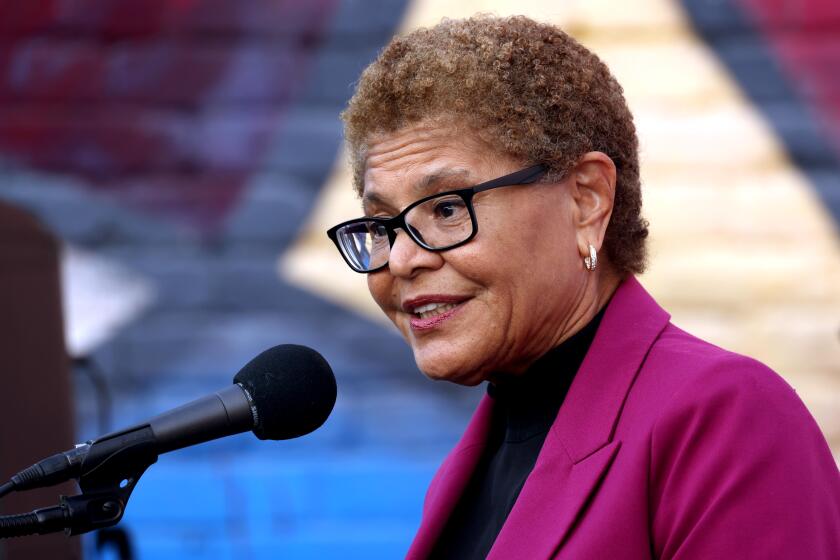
column 421, row 187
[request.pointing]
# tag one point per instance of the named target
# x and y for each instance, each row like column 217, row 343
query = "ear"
column 593, row 194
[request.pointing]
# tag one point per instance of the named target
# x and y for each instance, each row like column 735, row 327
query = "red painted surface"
column 805, row 37
column 167, row 105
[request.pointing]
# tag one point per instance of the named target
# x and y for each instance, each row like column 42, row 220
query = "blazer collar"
column 578, row 449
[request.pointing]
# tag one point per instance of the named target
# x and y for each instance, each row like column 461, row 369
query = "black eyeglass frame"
column 522, row 177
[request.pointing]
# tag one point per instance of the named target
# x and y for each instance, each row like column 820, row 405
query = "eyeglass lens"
column 434, row 224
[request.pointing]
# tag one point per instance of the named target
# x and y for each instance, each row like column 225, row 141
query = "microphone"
column 285, row 392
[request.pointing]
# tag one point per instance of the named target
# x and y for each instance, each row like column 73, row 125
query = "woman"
column 498, row 168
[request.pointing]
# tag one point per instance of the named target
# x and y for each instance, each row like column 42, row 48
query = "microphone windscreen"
column 292, row 388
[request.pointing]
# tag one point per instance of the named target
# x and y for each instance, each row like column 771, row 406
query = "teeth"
column 427, row 307
column 433, row 309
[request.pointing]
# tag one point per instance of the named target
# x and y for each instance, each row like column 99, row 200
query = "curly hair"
column 526, row 87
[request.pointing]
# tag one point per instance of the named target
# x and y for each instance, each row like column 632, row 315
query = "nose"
column 407, row 258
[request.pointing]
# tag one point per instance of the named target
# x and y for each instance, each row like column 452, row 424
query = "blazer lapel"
column 579, row 448
column 451, row 481
column 550, row 502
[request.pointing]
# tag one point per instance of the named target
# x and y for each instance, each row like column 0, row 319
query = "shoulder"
column 689, row 389
column 724, row 393
column 685, row 370
column 733, row 452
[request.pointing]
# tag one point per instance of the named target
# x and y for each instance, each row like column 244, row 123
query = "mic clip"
column 108, row 474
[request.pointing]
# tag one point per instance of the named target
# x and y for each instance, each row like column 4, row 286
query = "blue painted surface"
column 273, row 506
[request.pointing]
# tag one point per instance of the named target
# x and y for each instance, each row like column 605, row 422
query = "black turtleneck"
column 525, row 408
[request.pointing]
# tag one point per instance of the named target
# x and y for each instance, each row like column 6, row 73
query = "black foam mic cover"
column 292, row 391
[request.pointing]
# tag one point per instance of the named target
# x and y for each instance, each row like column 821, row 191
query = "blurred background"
column 168, row 169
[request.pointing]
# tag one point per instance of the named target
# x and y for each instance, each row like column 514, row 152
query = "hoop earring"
column 592, row 260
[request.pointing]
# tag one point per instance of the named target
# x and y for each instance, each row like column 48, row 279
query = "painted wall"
column 188, row 153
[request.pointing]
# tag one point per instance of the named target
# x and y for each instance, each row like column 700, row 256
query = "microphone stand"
column 108, row 474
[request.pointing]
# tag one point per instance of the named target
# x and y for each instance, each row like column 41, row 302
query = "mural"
column 188, row 153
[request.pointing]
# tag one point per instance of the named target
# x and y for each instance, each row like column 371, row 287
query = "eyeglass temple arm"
column 522, row 177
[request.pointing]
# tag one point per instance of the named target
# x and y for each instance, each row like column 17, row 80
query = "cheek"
column 496, row 277
column 381, row 288
column 531, row 265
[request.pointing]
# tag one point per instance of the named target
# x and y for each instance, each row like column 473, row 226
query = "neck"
column 596, row 291
column 529, row 402
column 606, row 283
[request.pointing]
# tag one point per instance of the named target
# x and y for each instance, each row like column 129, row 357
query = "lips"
column 431, row 311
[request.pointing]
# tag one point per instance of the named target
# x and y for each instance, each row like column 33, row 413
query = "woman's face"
column 503, row 299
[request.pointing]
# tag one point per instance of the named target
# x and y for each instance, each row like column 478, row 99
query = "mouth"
column 430, row 311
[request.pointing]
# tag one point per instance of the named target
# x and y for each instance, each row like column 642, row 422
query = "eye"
column 448, row 208
column 377, row 230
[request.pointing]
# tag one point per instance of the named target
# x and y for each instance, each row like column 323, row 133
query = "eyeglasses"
column 437, row 223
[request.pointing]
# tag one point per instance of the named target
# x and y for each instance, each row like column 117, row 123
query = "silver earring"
column 592, row 260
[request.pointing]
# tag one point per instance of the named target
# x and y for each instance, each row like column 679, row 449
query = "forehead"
column 420, row 159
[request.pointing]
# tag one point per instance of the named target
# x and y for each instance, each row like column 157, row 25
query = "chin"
column 440, row 369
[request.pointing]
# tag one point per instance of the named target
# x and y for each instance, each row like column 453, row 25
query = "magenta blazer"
column 666, row 447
